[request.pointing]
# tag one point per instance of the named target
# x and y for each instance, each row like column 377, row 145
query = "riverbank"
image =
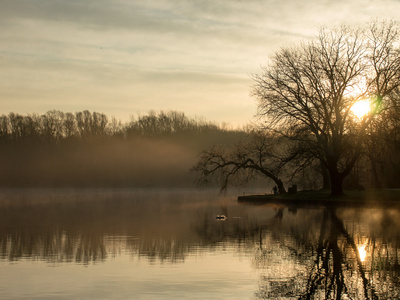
column 384, row 197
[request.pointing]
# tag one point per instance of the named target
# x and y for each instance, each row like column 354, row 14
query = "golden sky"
column 124, row 58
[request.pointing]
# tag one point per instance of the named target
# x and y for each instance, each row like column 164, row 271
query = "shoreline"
column 373, row 198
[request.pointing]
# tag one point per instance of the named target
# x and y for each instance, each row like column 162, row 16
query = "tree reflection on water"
column 331, row 270
column 335, row 268
column 300, row 253
column 315, row 253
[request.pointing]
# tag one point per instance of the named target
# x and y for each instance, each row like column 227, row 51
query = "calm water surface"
column 136, row 244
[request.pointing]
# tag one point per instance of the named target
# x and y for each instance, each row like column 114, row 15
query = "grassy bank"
column 323, row 197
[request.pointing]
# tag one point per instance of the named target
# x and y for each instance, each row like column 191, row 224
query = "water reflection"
column 336, row 265
column 298, row 253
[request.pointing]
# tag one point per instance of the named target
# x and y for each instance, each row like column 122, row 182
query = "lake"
column 163, row 244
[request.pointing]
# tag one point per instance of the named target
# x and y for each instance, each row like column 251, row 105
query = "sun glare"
column 361, row 108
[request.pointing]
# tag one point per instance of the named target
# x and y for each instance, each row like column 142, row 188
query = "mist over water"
column 131, row 163
column 167, row 244
column 87, row 149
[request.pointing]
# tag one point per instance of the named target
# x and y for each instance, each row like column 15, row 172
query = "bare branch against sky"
column 127, row 57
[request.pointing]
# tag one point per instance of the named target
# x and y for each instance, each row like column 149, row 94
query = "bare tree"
column 307, row 92
column 243, row 162
column 383, row 147
column 52, row 125
column 69, row 125
column 91, row 124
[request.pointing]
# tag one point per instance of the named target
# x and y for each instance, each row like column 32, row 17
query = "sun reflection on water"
column 362, row 252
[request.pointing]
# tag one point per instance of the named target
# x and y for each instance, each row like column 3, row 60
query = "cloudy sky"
column 127, row 57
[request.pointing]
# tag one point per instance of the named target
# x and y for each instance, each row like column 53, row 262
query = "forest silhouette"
column 90, row 149
column 158, row 149
column 307, row 97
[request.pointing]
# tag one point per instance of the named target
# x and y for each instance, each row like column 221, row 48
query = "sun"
column 361, row 108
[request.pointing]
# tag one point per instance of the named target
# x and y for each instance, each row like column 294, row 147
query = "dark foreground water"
column 130, row 244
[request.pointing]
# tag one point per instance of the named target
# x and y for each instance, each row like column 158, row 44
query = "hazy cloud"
column 118, row 56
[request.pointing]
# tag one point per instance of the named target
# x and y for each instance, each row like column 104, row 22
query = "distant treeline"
column 91, row 149
column 158, row 149
column 57, row 126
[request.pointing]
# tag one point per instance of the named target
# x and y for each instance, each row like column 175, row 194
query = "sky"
column 128, row 57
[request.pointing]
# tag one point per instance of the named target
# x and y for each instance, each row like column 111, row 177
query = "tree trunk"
column 326, row 184
column 336, row 183
column 376, row 182
column 281, row 188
